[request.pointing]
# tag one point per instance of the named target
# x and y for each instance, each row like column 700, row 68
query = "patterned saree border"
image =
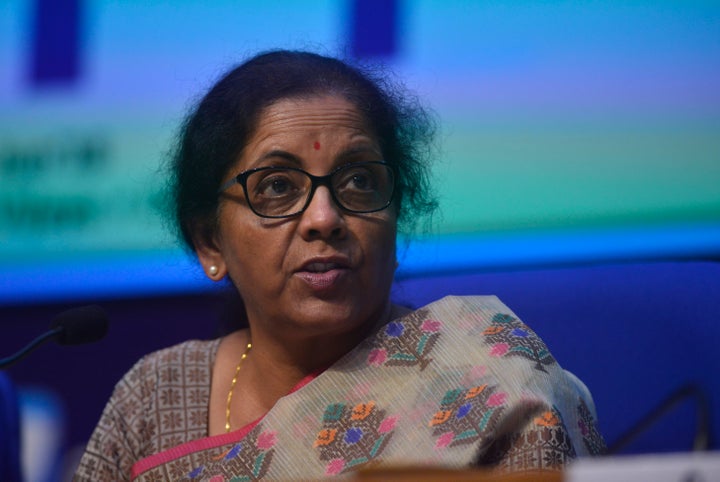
column 160, row 458
column 174, row 453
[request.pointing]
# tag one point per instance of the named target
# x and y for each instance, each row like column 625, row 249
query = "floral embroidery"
column 266, row 440
column 508, row 336
column 466, row 415
column 247, row 460
column 196, row 472
column 553, row 442
column 362, row 410
column 325, row 437
column 407, row 342
column 462, row 420
column 547, row 419
column 588, row 428
column 352, row 435
column 543, row 444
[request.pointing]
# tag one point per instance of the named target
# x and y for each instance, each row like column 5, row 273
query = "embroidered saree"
column 460, row 382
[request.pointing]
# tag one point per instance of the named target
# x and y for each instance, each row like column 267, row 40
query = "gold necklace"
column 232, row 386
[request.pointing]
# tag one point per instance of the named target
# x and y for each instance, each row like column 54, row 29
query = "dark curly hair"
column 216, row 130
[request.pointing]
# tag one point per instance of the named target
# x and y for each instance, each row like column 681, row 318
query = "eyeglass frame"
column 315, row 182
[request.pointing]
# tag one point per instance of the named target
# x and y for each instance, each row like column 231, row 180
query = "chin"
column 326, row 317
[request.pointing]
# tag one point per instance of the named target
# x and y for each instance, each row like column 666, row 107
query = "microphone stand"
column 12, row 359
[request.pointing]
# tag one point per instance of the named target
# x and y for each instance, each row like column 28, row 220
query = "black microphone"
column 85, row 324
column 81, row 325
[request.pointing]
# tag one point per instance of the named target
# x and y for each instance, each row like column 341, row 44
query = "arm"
column 123, row 430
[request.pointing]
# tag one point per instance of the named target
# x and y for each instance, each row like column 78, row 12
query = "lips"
column 324, row 264
column 324, row 274
column 321, row 267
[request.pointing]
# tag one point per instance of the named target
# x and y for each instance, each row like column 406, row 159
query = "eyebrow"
column 275, row 153
column 297, row 161
column 357, row 150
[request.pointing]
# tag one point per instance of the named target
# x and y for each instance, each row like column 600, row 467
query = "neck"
column 279, row 363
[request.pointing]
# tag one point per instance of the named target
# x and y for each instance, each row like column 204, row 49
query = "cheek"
column 247, row 245
column 255, row 264
column 381, row 246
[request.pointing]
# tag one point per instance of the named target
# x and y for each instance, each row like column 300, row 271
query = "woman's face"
column 324, row 271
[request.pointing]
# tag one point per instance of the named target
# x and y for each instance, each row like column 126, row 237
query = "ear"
column 208, row 251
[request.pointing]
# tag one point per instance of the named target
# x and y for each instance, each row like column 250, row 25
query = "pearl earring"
column 213, row 270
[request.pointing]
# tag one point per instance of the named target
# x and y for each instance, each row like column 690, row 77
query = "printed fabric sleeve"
column 123, row 431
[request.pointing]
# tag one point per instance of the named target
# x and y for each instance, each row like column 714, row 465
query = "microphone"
column 85, row 324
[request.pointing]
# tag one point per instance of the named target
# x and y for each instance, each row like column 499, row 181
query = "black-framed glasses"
column 282, row 192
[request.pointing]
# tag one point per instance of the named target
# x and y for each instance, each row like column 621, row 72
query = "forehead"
column 310, row 116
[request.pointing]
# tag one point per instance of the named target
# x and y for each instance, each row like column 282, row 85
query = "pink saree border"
column 182, row 450
column 160, row 458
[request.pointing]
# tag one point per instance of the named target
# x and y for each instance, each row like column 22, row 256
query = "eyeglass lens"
column 360, row 187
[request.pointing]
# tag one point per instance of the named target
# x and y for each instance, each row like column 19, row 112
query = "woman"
column 291, row 178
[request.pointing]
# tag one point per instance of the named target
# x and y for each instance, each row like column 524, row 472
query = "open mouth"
column 323, row 275
column 322, row 267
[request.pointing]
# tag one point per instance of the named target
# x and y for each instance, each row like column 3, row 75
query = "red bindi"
column 316, row 146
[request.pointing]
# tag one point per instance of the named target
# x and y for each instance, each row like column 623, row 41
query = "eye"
column 361, row 181
column 357, row 178
column 274, row 184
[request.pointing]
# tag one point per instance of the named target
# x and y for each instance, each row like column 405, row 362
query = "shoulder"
column 486, row 344
column 464, row 312
column 455, row 333
column 167, row 366
column 482, row 331
column 141, row 416
column 200, row 353
column 459, row 306
column 191, row 352
column 168, row 373
column 157, row 366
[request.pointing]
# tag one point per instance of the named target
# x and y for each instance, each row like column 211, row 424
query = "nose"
column 323, row 218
